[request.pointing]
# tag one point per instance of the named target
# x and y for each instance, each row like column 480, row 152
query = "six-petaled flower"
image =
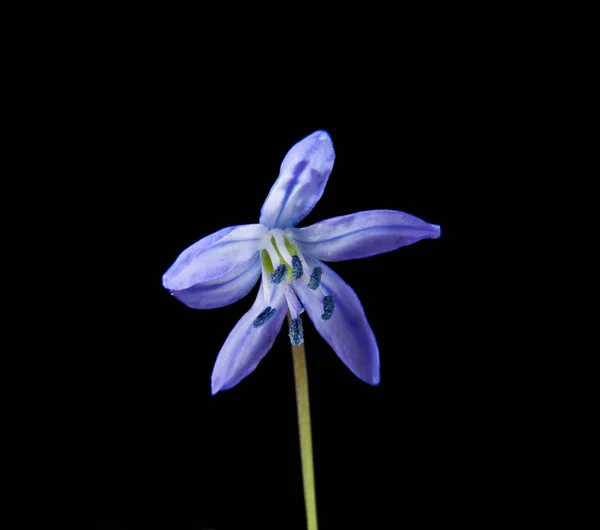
column 223, row 267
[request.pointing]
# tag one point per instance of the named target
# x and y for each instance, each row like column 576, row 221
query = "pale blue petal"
column 362, row 234
column 246, row 345
column 302, row 179
column 225, row 290
column 347, row 331
column 214, row 256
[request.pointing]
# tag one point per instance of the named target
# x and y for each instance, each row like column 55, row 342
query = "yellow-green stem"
column 306, row 453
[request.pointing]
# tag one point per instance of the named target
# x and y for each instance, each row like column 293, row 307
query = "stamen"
column 267, row 245
column 328, row 307
column 315, row 278
column 281, row 247
column 264, row 317
column 296, row 332
column 297, row 271
column 293, row 248
column 294, row 305
column 279, row 273
column 267, row 269
column 266, row 286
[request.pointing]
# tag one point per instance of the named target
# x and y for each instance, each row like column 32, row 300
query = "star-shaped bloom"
column 223, row 267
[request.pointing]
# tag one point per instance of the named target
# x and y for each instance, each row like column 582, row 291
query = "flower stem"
column 303, row 405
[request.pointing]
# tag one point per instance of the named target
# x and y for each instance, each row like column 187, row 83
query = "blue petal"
column 347, row 331
column 302, row 179
column 225, row 290
column 214, row 256
column 362, row 234
column 246, row 345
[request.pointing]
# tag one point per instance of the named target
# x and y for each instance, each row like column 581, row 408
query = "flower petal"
column 246, row 345
column 362, row 234
column 302, row 178
column 214, row 256
column 347, row 331
column 224, row 290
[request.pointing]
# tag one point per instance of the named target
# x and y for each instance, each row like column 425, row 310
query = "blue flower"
column 223, row 267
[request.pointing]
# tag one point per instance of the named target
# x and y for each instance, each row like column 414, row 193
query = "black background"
column 162, row 142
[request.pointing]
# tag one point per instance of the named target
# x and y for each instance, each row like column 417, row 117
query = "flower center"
column 282, row 264
column 280, row 255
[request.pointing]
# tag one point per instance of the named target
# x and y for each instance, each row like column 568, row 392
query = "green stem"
column 302, row 402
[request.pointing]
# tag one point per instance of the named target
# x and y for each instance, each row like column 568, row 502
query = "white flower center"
column 282, row 264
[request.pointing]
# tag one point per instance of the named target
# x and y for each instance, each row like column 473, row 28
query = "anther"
column 279, row 273
column 315, row 278
column 264, row 317
column 328, row 307
column 297, row 271
column 296, row 332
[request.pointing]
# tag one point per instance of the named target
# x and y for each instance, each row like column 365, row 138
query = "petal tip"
column 322, row 135
column 437, row 231
column 215, row 387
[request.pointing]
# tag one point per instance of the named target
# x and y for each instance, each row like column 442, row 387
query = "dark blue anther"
column 328, row 307
column 264, row 317
column 297, row 271
column 279, row 273
column 315, row 278
column 296, row 332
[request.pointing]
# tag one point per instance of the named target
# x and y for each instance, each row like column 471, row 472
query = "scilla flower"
column 223, row 267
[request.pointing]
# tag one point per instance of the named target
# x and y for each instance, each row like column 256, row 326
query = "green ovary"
column 266, row 262
column 291, row 248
